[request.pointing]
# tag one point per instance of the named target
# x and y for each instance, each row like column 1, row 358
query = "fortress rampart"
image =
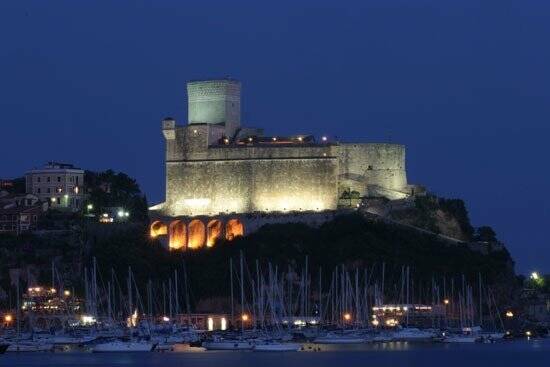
column 216, row 167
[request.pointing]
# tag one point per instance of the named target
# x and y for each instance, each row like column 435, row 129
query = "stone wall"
column 248, row 185
column 373, row 165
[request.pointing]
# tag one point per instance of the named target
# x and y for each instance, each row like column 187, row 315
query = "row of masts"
column 270, row 295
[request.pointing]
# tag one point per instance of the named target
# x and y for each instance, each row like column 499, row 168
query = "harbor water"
column 394, row 354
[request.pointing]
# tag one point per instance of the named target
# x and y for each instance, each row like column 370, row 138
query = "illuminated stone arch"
column 158, row 229
column 178, row 235
column 196, row 234
column 234, row 228
column 214, row 230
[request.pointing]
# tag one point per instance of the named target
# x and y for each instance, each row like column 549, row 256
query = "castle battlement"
column 216, row 166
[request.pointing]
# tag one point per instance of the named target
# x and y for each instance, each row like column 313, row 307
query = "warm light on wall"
column 178, row 235
column 234, row 228
column 158, row 229
column 214, row 231
column 210, row 324
column 197, row 234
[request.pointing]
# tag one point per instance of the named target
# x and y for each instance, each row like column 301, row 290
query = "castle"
column 219, row 172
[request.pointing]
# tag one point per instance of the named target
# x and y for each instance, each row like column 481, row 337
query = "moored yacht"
column 124, row 346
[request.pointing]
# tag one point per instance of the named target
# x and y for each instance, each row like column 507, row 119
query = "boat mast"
column 242, row 291
column 231, row 281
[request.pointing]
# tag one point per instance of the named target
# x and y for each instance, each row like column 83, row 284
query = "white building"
column 60, row 184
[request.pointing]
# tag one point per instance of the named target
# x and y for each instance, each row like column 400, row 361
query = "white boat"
column 228, row 344
column 122, row 346
column 277, row 347
column 66, row 339
column 30, row 346
column 413, row 334
column 333, row 338
column 461, row 339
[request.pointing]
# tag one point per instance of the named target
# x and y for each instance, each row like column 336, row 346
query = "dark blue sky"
column 464, row 84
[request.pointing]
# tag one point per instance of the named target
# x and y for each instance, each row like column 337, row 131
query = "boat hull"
column 121, row 347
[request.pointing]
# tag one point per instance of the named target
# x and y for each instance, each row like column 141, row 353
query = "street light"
column 90, row 206
column 534, row 275
column 347, row 316
column 446, row 301
column 244, row 317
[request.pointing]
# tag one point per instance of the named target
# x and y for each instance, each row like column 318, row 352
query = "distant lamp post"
column 347, row 316
column 446, row 301
column 90, row 207
column 8, row 318
column 535, row 275
column 244, row 317
column 509, row 314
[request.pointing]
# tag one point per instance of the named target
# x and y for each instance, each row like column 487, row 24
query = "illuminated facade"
column 217, row 167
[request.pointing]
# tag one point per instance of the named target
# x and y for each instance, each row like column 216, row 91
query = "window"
column 48, row 190
column 38, row 179
column 48, row 179
column 34, row 218
column 59, row 200
column 77, row 180
column 58, row 178
column 29, row 202
column 38, row 190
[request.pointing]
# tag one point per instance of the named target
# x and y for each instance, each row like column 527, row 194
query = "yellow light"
column 274, row 138
column 534, row 275
column 528, row 333
column 405, row 308
column 52, row 290
column 223, row 324
column 509, row 314
column 446, row 301
column 8, row 318
column 87, row 319
column 165, row 318
column 300, row 138
column 90, row 206
column 244, row 317
column 226, row 141
column 67, row 293
column 210, row 324
column 347, row 316
column 375, row 322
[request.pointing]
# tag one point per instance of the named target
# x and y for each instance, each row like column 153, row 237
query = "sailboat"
column 337, row 338
column 126, row 346
column 274, row 346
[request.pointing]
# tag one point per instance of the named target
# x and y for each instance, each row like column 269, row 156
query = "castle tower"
column 215, row 102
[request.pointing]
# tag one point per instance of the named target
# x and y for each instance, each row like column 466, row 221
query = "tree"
column 485, row 234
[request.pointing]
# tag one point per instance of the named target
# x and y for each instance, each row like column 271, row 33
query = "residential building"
column 19, row 213
column 60, row 184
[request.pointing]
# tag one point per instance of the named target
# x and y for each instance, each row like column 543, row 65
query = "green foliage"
column 485, row 234
column 349, row 240
column 457, row 209
column 110, row 189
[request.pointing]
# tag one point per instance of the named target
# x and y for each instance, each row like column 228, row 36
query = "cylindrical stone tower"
column 215, row 101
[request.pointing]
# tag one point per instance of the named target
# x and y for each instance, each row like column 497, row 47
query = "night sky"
column 464, row 84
